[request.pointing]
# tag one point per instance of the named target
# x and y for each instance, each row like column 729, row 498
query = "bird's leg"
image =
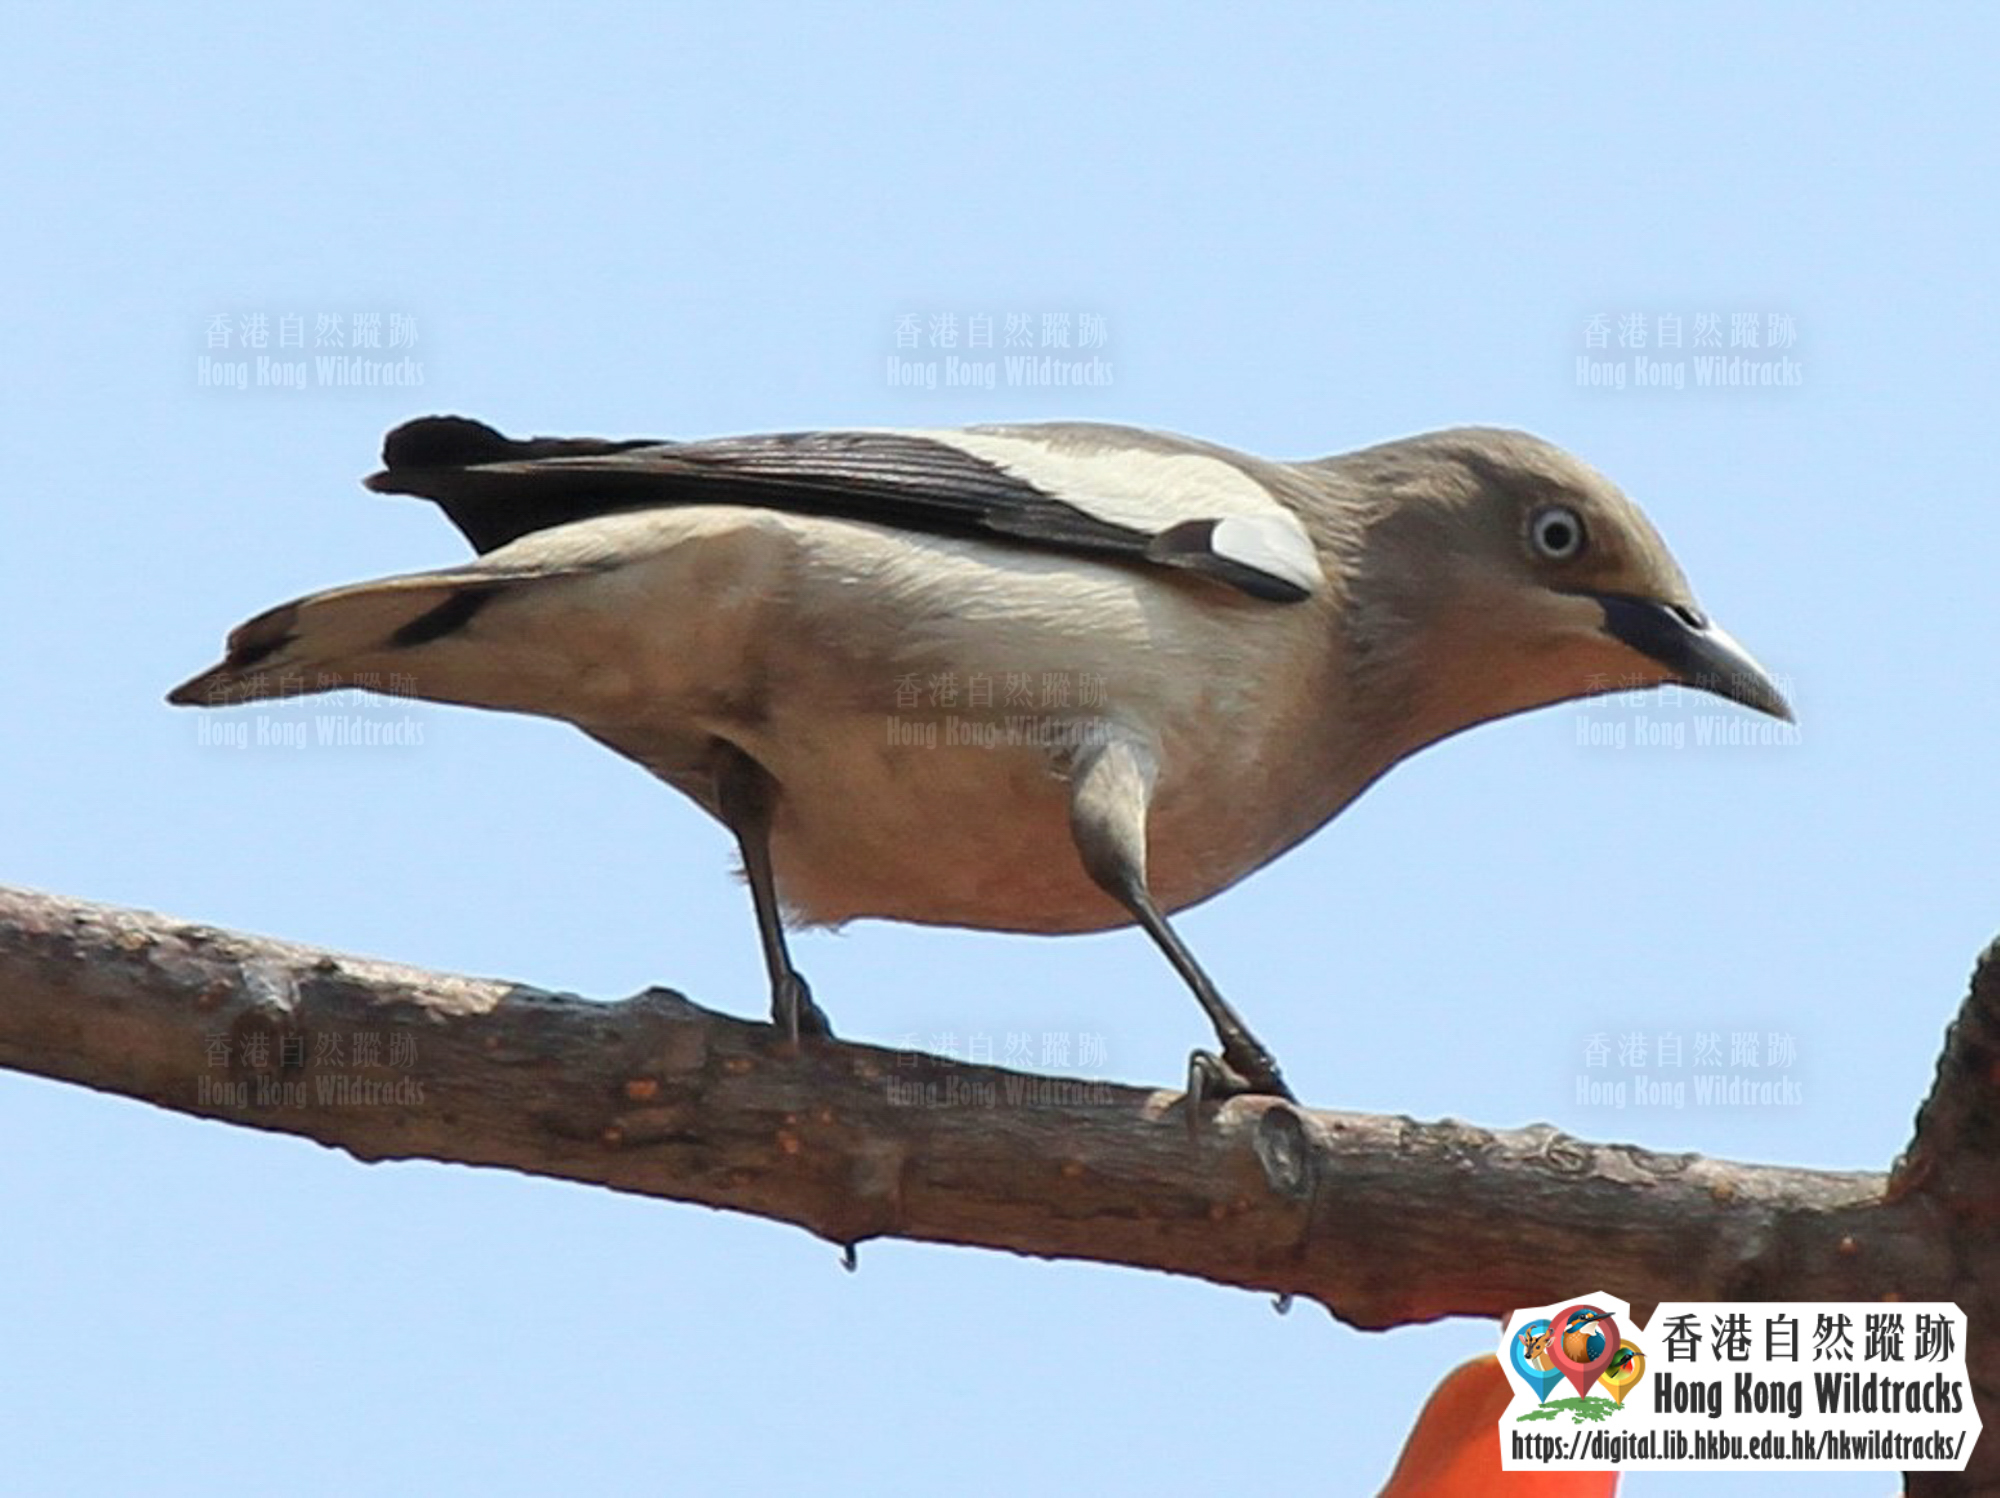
column 1109, row 794
column 745, row 793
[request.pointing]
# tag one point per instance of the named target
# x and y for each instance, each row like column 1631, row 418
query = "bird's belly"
column 932, row 832
column 894, row 819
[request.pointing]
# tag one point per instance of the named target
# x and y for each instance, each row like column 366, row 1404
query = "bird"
column 1047, row 677
column 1580, row 1332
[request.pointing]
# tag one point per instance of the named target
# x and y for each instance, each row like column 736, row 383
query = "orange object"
column 1454, row 1451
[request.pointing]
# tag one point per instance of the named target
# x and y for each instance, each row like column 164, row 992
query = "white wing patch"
column 1277, row 545
column 1153, row 492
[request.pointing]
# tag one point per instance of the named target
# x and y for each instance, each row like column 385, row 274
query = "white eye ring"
column 1556, row 532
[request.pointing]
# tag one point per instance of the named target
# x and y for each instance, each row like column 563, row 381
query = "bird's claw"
column 794, row 1012
column 1216, row 1079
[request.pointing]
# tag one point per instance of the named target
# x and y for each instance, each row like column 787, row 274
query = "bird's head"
column 1491, row 572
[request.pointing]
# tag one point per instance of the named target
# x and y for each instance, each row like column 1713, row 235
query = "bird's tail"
column 342, row 638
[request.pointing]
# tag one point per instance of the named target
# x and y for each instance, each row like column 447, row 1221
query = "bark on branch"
column 1382, row 1220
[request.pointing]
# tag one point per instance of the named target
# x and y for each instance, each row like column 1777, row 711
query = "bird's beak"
column 1698, row 652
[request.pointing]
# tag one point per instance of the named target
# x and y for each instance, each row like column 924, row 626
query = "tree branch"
column 1382, row 1220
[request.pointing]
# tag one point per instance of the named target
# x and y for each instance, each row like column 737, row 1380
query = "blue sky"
column 1299, row 230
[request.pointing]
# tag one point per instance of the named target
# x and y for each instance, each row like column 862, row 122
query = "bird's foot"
column 1235, row 1073
column 794, row 1012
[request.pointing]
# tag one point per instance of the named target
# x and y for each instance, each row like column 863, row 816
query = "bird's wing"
column 1104, row 492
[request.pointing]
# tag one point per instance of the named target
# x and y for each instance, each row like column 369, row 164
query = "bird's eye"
column 1557, row 532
